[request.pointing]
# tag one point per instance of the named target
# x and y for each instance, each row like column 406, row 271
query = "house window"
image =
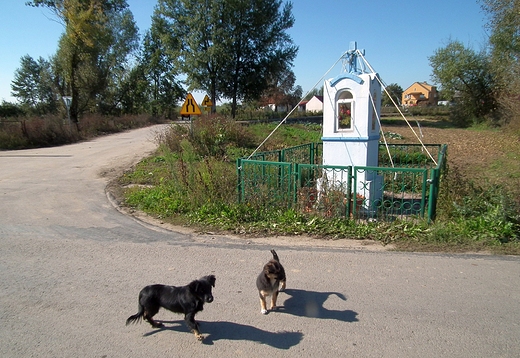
column 345, row 111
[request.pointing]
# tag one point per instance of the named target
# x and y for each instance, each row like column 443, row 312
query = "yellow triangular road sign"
column 206, row 102
column 190, row 107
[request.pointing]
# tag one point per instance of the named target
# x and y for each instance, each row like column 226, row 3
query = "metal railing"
column 293, row 177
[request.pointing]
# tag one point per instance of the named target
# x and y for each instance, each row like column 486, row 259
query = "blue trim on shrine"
column 350, row 76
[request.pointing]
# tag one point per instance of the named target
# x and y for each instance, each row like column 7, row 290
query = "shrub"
column 51, row 130
column 209, row 136
column 480, row 212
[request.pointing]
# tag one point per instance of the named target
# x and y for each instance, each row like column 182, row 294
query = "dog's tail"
column 136, row 318
column 275, row 256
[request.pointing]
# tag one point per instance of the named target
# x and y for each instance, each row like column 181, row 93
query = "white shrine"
column 351, row 128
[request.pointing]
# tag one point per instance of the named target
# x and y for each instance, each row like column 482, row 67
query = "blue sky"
column 397, row 36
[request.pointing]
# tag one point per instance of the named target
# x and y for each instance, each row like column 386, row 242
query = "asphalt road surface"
column 72, row 265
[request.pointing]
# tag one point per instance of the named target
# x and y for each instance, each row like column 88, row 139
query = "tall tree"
column 504, row 23
column 281, row 90
column 259, row 46
column 134, row 91
column 228, row 48
column 98, row 36
column 504, row 26
column 395, row 92
column 113, row 59
column 466, row 77
column 193, row 36
column 164, row 90
column 32, row 86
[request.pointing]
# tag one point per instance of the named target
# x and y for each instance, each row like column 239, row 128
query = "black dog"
column 271, row 281
column 187, row 299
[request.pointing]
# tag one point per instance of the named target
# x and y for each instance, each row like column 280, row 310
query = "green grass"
column 191, row 180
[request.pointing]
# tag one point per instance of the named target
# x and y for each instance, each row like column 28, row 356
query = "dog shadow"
column 222, row 330
column 304, row 303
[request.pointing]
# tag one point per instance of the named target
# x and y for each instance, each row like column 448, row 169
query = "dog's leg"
column 273, row 300
column 282, row 286
column 189, row 318
column 148, row 317
column 263, row 305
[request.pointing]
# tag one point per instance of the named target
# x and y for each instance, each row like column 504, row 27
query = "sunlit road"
column 72, row 265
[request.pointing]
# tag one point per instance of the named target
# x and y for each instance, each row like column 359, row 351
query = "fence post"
column 295, row 177
column 434, row 191
column 239, row 180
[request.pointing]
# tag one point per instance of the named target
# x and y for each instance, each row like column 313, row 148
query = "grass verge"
column 191, row 180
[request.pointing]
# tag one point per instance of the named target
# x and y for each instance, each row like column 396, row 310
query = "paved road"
column 72, row 264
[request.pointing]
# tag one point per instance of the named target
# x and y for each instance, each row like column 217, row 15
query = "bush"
column 476, row 212
column 46, row 131
column 209, row 136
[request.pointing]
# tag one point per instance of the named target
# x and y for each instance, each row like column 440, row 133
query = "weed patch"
column 50, row 130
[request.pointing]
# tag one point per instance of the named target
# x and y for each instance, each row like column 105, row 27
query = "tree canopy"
column 504, row 26
column 228, row 48
column 98, row 37
column 33, row 86
column 466, row 78
column 395, row 92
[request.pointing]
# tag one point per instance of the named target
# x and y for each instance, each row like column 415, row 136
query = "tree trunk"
column 74, row 105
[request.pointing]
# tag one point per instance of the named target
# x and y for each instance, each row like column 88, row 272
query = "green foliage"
column 466, row 78
column 503, row 24
column 207, row 136
column 33, row 87
column 392, row 95
column 478, row 213
column 228, row 48
column 10, row 110
column 92, row 53
column 157, row 66
column 401, row 156
column 288, row 135
column 184, row 184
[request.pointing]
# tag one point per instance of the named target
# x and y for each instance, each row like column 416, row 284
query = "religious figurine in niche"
column 344, row 116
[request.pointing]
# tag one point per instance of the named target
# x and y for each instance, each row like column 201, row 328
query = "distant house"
column 420, row 94
column 315, row 104
column 276, row 107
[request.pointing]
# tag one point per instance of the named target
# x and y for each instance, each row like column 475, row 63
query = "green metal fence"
column 293, row 177
column 306, row 153
column 401, row 192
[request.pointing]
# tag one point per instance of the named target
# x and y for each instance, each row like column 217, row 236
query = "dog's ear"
column 270, row 268
column 211, row 279
column 194, row 286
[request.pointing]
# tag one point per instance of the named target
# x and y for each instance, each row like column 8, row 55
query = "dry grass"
column 485, row 154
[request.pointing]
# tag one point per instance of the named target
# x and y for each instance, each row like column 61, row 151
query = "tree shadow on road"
column 222, row 330
column 304, row 303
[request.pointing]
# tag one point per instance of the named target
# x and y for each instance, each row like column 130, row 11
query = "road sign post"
column 67, row 100
column 207, row 104
column 189, row 108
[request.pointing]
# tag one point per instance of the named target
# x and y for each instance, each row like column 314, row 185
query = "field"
column 482, row 155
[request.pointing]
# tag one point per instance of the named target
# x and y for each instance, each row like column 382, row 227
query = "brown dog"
column 271, row 281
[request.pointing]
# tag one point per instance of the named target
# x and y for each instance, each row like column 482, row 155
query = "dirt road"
column 72, row 266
